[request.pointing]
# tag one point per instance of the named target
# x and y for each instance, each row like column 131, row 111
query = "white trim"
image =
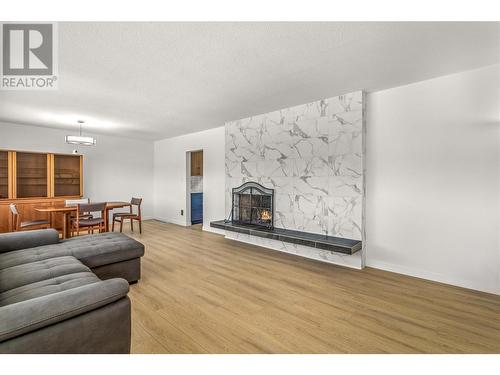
column 173, row 221
column 427, row 275
column 187, row 177
column 208, row 228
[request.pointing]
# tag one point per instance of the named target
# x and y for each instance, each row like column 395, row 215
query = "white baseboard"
column 208, row 228
column 427, row 275
column 170, row 220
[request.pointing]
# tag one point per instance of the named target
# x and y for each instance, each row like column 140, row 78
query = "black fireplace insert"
column 253, row 205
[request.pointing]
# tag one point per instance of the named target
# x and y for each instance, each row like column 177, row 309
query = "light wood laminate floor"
column 201, row 293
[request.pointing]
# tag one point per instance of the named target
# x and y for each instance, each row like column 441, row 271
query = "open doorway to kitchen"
column 195, row 187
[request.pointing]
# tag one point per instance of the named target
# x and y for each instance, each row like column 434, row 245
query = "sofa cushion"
column 92, row 250
column 27, row 316
column 28, row 273
column 46, row 287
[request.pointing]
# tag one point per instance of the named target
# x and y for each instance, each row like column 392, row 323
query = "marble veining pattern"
column 312, row 155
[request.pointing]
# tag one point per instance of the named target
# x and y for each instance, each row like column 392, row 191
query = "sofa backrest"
column 25, row 240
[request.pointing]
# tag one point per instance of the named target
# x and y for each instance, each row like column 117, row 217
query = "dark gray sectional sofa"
column 66, row 296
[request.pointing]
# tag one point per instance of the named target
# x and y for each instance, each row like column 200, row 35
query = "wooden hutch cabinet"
column 34, row 179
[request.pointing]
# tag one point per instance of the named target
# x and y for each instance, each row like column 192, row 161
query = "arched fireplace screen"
column 253, row 204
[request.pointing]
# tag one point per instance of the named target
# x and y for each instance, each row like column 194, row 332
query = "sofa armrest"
column 24, row 240
column 26, row 316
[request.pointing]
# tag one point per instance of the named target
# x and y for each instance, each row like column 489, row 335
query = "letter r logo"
column 27, row 49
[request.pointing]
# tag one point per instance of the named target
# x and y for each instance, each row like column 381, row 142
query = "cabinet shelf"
column 31, row 170
column 33, row 175
column 4, row 174
column 67, row 174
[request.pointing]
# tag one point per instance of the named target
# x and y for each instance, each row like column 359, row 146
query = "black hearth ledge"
column 318, row 241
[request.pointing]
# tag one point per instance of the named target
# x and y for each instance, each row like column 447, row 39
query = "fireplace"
column 253, row 205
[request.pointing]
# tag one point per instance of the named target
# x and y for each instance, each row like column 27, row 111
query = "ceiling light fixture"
column 80, row 139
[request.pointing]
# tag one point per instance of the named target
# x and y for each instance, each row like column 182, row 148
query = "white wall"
column 115, row 169
column 170, row 176
column 433, row 179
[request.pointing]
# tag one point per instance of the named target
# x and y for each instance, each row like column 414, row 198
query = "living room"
column 250, row 188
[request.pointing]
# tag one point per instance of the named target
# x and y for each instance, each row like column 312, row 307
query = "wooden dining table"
column 66, row 211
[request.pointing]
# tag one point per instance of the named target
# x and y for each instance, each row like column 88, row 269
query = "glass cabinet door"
column 4, row 174
column 31, row 175
column 66, row 175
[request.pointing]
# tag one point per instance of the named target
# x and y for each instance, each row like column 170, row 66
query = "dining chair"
column 122, row 216
column 18, row 225
column 84, row 221
column 74, row 202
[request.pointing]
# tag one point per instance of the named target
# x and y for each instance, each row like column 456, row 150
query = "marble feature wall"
column 312, row 155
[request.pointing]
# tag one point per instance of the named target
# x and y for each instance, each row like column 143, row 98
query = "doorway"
column 195, row 186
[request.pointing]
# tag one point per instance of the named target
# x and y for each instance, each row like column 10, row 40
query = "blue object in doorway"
column 196, row 208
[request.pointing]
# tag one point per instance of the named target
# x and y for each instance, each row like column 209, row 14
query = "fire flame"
column 265, row 215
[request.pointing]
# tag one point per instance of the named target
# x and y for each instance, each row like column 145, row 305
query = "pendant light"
column 80, row 139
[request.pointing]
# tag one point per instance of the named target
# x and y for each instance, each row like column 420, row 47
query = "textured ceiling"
column 158, row 80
